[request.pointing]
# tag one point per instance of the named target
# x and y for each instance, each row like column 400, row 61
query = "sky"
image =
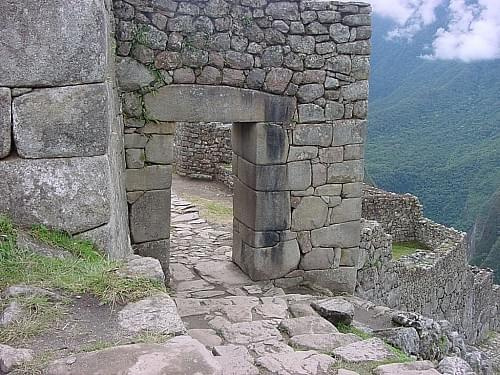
column 472, row 32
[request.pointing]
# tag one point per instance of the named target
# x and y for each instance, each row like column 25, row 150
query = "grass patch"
column 80, row 248
column 401, row 249
column 38, row 315
column 213, row 211
column 89, row 272
column 148, row 337
column 344, row 328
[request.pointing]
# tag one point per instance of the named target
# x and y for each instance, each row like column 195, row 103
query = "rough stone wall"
column 60, row 136
column 200, row 149
column 316, row 54
column 438, row 283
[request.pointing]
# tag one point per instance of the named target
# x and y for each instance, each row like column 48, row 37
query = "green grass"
column 400, row 249
column 87, row 273
column 80, row 248
column 344, row 328
column 213, row 211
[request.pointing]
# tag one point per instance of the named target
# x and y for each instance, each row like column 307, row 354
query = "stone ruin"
column 291, row 76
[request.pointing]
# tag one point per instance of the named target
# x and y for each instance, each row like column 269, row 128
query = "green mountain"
column 434, row 127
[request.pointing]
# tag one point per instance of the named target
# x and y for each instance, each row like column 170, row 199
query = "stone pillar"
column 60, row 137
column 149, row 157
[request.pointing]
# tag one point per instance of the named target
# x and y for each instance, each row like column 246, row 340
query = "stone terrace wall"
column 60, row 136
column 437, row 283
column 314, row 52
column 200, row 148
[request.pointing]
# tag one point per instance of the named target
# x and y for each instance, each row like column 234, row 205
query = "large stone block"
column 52, row 43
column 269, row 262
column 5, row 122
column 260, row 143
column 156, row 249
column 160, row 149
column 341, row 279
column 318, row 259
column 256, row 239
column 71, row 194
column 299, row 175
column 153, row 177
column 132, row 75
column 348, row 132
column 262, row 177
column 347, row 171
column 311, row 213
column 259, row 210
column 150, row 216
column 348, row 210
column 313, row 135
column 337, row 235
column 197, row 103
column 62, row 122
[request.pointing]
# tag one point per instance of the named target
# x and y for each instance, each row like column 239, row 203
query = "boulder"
column 179, row 356
column 454, row 366
column 322, row 342
column 304, row 363
column 10, row 358
column 142, row 267
column 307, row 325
column 335, row 310
column 411, row 368
column 369, row 350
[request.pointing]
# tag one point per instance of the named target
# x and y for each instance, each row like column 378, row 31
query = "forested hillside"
column 434, row 128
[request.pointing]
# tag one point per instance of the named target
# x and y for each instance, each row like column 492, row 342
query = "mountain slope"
column 434, row 128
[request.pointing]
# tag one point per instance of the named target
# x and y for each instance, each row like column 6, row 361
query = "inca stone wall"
column 60, row 135
column 437, row 283
column 293, row 79
column 201, row 148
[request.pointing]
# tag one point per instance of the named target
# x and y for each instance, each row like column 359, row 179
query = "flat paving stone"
column 193, row 286
column 222, row 273
column 207, row 337
column 369, row 350
column 273, row 346
column 336, row 310
column 412, row 368
column 295, row 363
column 154, row 314
column 180, row 272
column 322, row 342
column 307, row 325
column 250, row 332
column 179, row 356
column 235, row 360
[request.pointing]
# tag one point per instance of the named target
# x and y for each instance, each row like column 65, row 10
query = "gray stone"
column 272, row 56
column 283, row 11
column 294, row 363
column 361, row 47
column 263, row 177
column 239, row 60
column 154, row 38
column 62, row 122
column 178, row 356
column 337, row 235
column 372, row 349
column 75, row 29
column 156, row 314
column 143, row 54
column 135, row 158
column 354, row 152
column 411, row 368
column 322, row 342
column 355, row 91
column 316, row 28
column 311, row 213
column 64, row 193
column 329, row 189
column 233, row 77
column 328, row 16
column 341, row 279
column 12, row 358
column 335, row 310
column 12, row 313
column 153, row 177
column 340, row 33
column 150, row 216
column 235, row 359
column 142, row 267
column 454, row 366
column 5, row 122
column 310, row 92
column 331, row 155
column 318, row 258
column 307, row 325
column 132, row 105
column 277, row 80
column 404, row 338
column 357, row 20
column 160, row 149
column 223, row 273
column 209, row 76
column 302, row 153
column 313, row 76
column 207, row 337
column 184, row 75
column 334, row 110
column 21, row 290
column 348, row 210
column 268, row 262
column 347, row 171
column 313, row 134
column 299, row 175
column 251, row 332
column 156, row 249
column 26, row 241
column 311, row 113
column 168, row 60
column 302, row 44
column 216, row 103
column 339, row 64
column 135, row 141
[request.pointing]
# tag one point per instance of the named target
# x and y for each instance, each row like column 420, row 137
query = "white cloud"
column 472, row 32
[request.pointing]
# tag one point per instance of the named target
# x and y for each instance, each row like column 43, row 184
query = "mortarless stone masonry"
column 292, row 78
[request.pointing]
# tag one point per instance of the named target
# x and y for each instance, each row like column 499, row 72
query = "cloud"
column 472, row 32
